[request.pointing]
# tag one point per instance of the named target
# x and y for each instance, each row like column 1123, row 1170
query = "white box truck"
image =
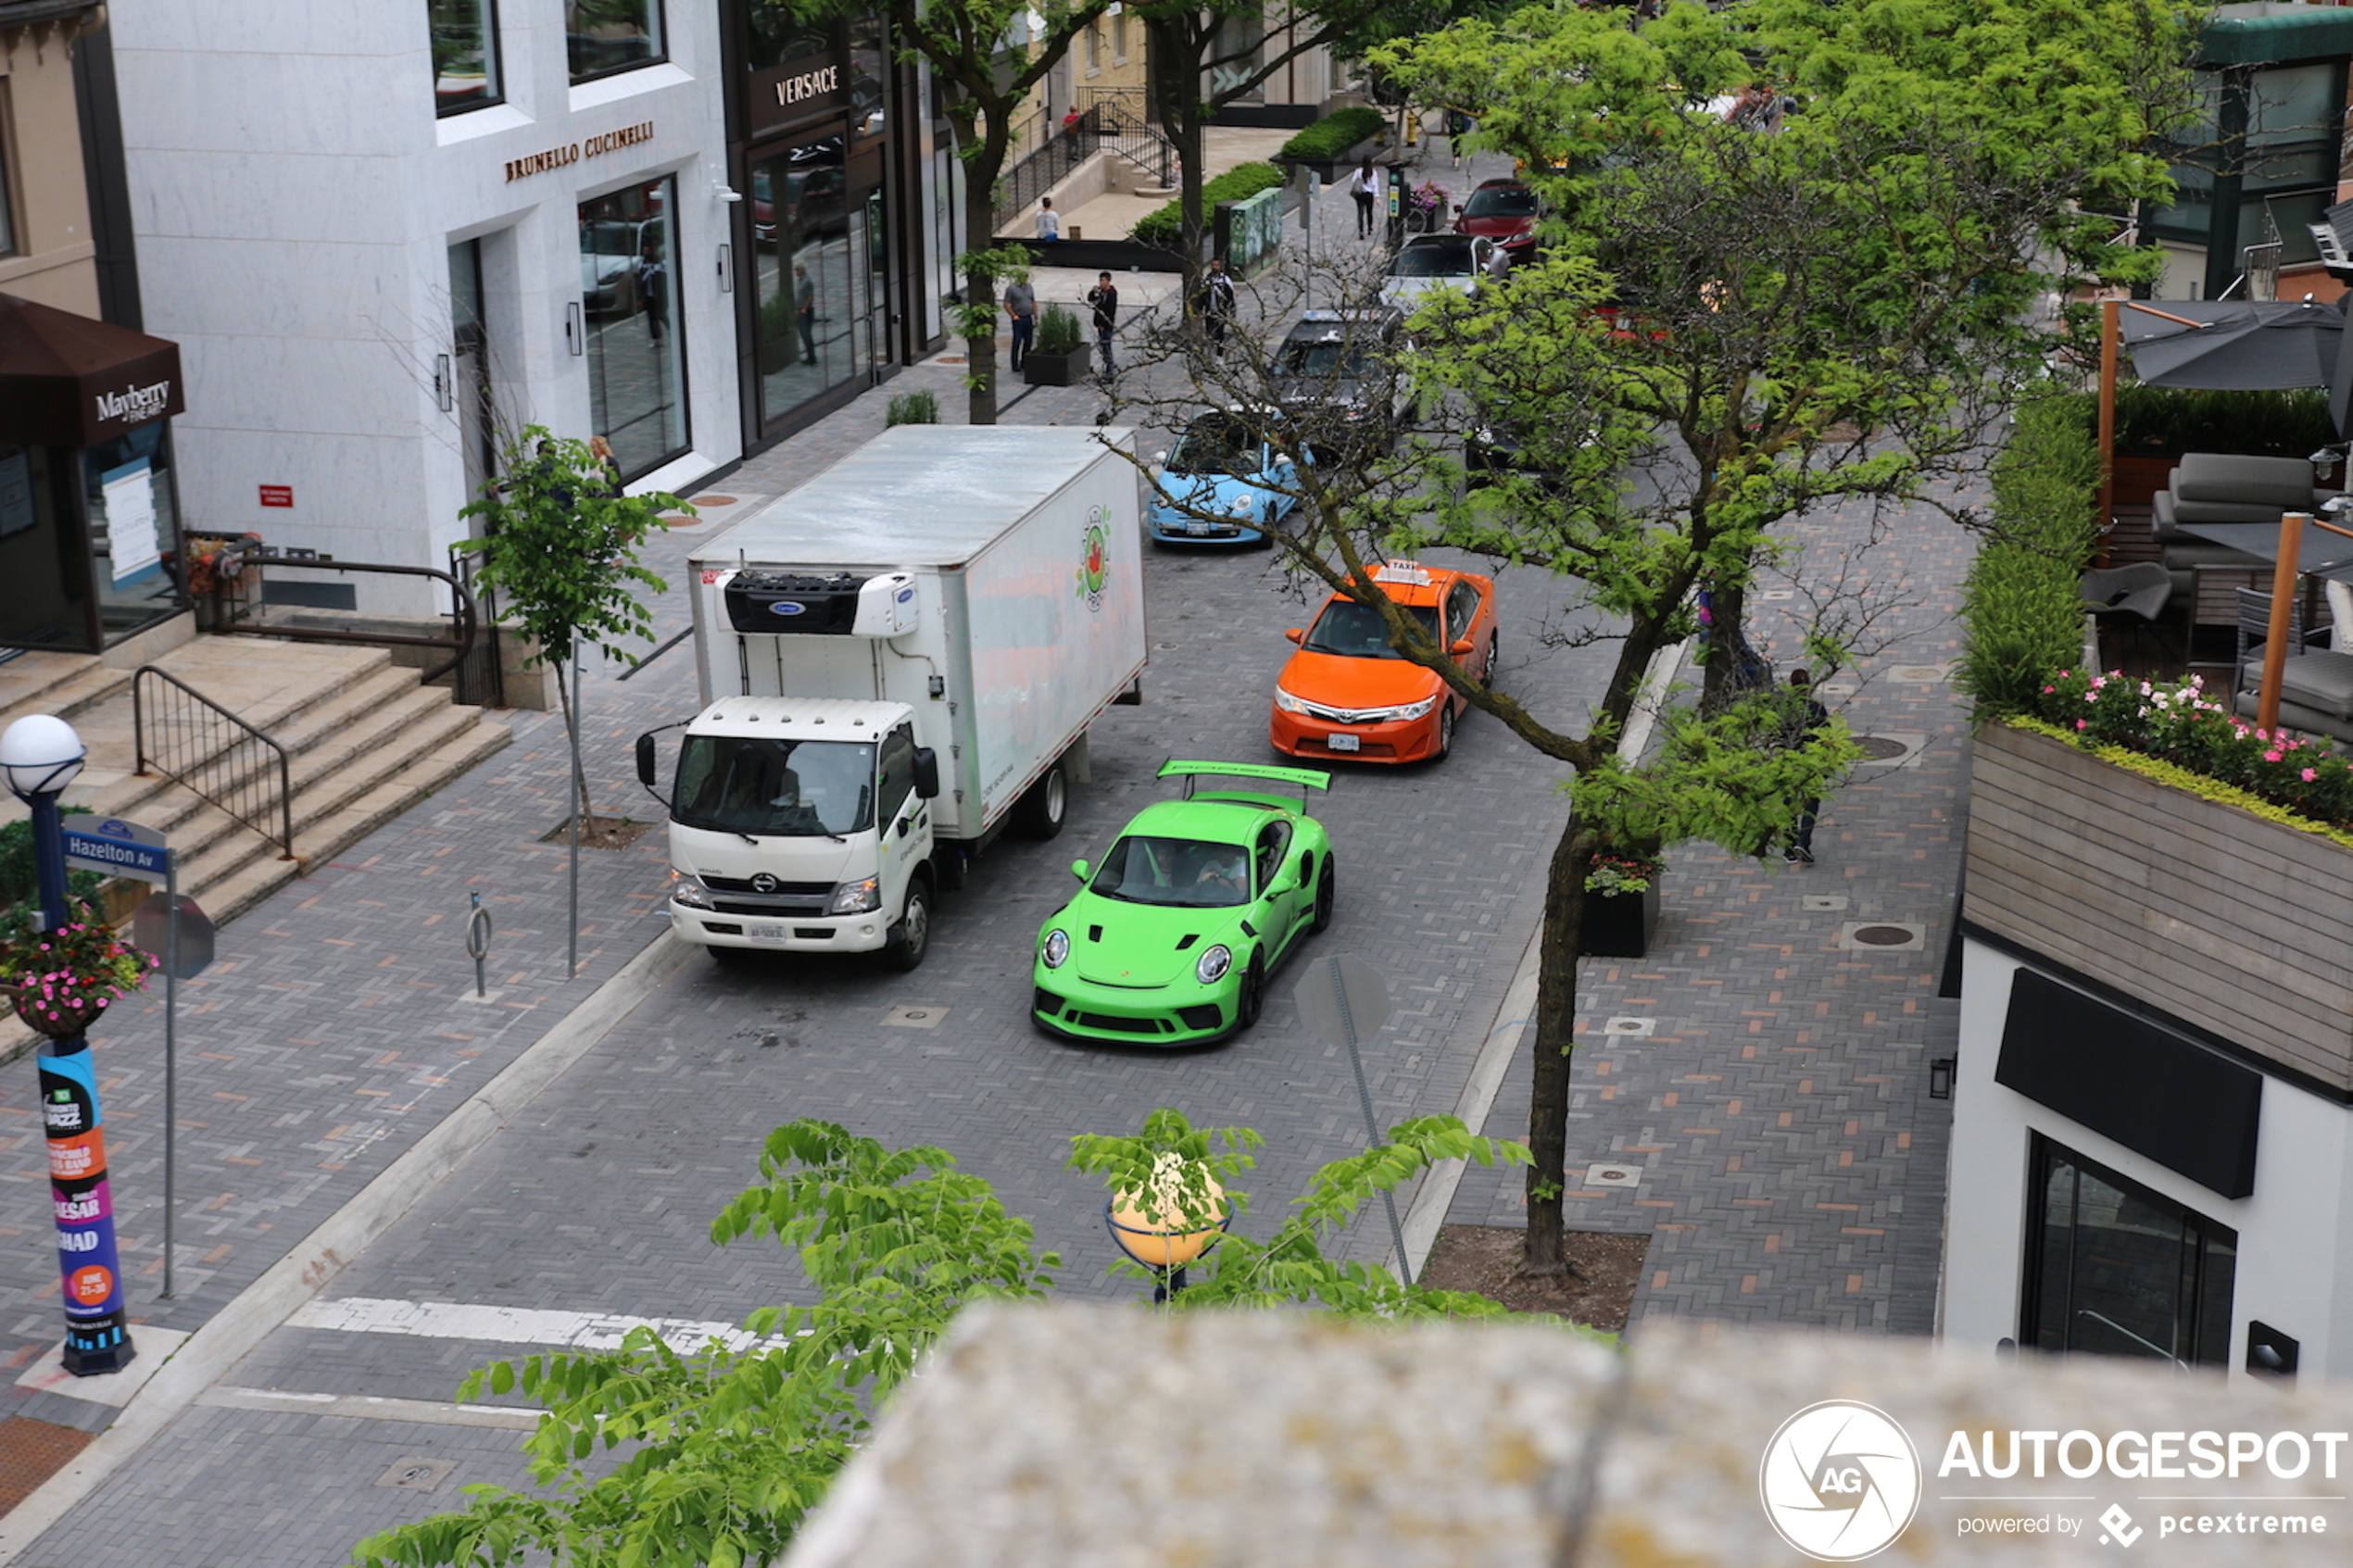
column 898, row 660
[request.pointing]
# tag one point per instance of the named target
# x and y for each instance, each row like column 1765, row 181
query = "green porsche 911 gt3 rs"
column 1171, row 938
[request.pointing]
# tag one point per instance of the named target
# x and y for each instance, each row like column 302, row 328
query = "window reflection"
column 814, row 280
column 2119, row 1271
column 465, row 54
column 628, row 292
column 605, row 36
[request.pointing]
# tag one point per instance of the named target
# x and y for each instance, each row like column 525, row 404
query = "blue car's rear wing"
column 1304, row 778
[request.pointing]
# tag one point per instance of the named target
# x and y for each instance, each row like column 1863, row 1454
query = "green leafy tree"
column 662, row 1456
column 986, row 58
column 557, row 544
column 1730, row 325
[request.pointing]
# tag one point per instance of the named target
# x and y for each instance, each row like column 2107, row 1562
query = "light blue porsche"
column 1223, row 483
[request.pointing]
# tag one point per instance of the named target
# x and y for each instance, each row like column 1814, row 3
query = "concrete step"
column 62, row 683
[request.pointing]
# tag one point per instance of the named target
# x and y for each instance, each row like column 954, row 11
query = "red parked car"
column 1504, row 211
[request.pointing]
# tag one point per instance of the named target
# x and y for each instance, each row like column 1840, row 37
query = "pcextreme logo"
column 1839, row 1481
column 1094, row 560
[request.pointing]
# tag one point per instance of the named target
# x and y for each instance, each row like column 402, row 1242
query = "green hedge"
column 2265, row 425
column 2022, row 612
column 1058, row 330
column 17, row 884
column 1331, row 136
column 1166, row 227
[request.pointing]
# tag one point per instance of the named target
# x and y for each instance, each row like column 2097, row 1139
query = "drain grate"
column 412, row 1472
column 903, row 1017
column 1883, row 936
column 1630, row 1028
column 1607, row 1176
column 1879, row 748
column 1822, row 901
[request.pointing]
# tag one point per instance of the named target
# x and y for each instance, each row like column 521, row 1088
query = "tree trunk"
column 580, row 816
column 980, row 288
column 1721, row 675
column 1175, row 98
column 1552, row 1039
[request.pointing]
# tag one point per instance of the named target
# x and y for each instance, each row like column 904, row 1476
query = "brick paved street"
column 334, row 1030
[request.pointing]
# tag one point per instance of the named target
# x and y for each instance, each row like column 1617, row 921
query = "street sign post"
column 1341, row 998
column 184, row 934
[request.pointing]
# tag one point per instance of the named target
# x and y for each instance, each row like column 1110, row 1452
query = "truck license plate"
column 767, row 932
column 1341, row 742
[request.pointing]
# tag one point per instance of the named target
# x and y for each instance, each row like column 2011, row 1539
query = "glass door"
column 470, row 360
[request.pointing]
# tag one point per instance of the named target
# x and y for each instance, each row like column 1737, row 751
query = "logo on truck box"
column 1094, row 563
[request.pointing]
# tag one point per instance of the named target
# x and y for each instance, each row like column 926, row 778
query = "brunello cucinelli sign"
column 797, row 90
column 595, row 146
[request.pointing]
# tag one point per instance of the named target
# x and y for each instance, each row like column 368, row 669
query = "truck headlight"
column 1288, row 703
column 689, row 891
column 1057, row 949
column 1212, row 966
column 857, row 897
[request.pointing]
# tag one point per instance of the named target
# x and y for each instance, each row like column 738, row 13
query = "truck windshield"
column 1180, row 872
column 779, row 788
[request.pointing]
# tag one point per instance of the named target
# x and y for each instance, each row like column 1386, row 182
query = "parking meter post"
column 1365, row 1100
column 1396, row 206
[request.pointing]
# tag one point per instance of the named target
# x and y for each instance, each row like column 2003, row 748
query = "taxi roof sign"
column 1409, row 572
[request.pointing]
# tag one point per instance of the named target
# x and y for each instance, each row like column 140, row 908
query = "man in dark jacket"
column 1214, row 302
column 1103, row 299
column 1807, row 718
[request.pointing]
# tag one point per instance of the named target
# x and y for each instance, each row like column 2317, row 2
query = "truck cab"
column 802, row 824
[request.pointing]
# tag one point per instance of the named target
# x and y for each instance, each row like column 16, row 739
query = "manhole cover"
column 949, row 359
column 913, row 1018
column 1882, row 935
column 412, row 1474
column 1822, row 901
column 1917, row 672
column 1610, row 1175
column 714, row 500
column 1879, row 748
column 1637, row 1028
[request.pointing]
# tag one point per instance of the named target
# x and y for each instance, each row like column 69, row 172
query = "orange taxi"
column 1347, row 693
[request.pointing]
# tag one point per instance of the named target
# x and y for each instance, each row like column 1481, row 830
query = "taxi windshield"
column 1355, row 631
column 1174, row 873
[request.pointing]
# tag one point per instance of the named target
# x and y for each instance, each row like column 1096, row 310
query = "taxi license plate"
column 768, row 933
column 1341, row 742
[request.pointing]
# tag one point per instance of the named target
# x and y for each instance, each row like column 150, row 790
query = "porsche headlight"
column 689, row 891
column 1211, row 967
column 1288, row 703
column 1056, row 950
column 857, row 897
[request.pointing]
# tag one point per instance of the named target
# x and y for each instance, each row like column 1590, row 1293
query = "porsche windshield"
column 1355, row 631
column 1216, row 446
column 776, row 788
column 1180, row 873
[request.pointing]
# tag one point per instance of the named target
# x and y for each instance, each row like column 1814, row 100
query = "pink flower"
column 2079, row 723
column 2270, row 757
column 2310, row 773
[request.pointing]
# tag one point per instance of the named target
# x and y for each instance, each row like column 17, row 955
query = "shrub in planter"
column 2168, row 421
column 2020, row 605
column 1059, row 357
column 1167, row 226
column 1331, row 136
column 1621, row 905
column 1057, row 330
column 912, row 408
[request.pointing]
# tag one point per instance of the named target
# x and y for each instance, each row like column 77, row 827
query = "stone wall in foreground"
column 1107, row 1438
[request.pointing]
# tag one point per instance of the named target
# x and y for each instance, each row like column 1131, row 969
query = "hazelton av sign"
column 595, row 146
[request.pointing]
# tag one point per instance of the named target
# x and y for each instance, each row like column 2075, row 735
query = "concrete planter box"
column 1618, row 925
column 1041, row 368
column 1328, row 170
column 2225, row 920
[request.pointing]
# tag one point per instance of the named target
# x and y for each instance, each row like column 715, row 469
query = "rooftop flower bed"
column 2220, row 754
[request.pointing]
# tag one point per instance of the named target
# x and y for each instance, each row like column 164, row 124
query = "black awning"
column 67, row 381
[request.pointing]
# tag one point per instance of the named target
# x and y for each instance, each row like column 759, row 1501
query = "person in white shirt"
column 1363, row 186
column 1049, row 222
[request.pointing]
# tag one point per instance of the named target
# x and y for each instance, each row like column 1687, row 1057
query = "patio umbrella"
column 2236, row 345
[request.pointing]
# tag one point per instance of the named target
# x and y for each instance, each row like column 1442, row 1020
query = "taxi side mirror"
column 1462, row 646
column 1296, row 633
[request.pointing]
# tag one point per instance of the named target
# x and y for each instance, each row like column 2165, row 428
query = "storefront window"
column 868, row 65
column 2115, row 1269
column 774, row 35
column 131, row 525
column 465, row 54
column 610, row 35
column 814, row 278
column 46, row 599
column 636, row 361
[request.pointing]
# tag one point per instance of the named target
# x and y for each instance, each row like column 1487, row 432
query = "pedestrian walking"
column 1807, row 718
column 805, row 312
column 1458, row 125
column 1363, row 186
column 1021, row 304
column 653, row 288
column 1049, row 222
column 1103, row 299
column 1214, row 303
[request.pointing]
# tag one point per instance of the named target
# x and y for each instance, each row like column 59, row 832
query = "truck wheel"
column 914, row 932
column 1040, row 815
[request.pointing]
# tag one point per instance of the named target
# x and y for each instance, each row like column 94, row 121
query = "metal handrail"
column 464, row 612
column 214, row 772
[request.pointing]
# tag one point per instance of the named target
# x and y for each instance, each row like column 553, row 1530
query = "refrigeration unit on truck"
column 898, row 662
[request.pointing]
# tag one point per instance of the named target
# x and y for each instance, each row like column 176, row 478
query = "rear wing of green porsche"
column 1302, row 778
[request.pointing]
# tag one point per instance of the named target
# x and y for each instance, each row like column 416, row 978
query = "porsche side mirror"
column 926, row 772
column 1078, row 870
column 1462, row 646
column 1279, row 886
column 1296, row 633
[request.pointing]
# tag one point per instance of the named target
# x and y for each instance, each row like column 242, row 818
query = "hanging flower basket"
column 61, row 981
